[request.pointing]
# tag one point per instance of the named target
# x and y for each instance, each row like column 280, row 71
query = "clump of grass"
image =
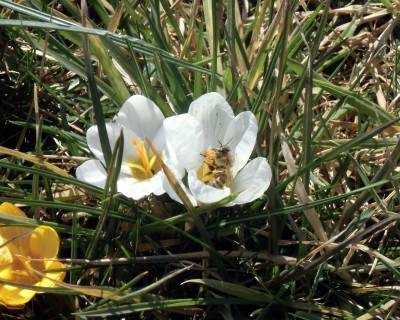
column 322, row 79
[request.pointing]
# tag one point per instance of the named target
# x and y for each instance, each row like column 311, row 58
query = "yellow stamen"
column 143, row 167
column 152, row 162
column 142, row 152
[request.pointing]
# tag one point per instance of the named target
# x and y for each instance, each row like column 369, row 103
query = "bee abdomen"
column 219, row 180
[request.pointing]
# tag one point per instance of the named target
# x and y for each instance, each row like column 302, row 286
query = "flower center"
column 216, row 168
column 143, row 166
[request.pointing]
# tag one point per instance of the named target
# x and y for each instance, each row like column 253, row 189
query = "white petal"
column 136, row 190
column 205, row 193
column 178, row 174
column 242, row 134
column 214, row 115
column 141, row 115
column 93, row 172
column 184, row 138
column 253, row 181
column 93, row 139
column 113, row 132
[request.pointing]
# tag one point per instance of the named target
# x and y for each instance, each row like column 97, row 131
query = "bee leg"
column 209, row 173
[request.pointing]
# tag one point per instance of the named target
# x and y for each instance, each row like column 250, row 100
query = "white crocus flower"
column 141, row 174
column 218, row 165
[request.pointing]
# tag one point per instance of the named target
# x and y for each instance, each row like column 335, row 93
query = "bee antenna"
column 224, row 144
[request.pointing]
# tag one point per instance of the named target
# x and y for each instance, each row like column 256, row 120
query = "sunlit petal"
column 93, row 140
column 6, row 271
column 93, row 172
column 15, row 236
column 185, row 137
column 178, row 174
column 252, row 181
column 242, row 134
column 11, row 209
column 13, row 296
column 214, row 115
column 44, row 243
column 5, row 253
column 136, row 190
column 204, row 193
column 141, row 115
column 46, row 281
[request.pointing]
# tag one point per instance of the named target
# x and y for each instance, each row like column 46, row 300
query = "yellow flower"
column 25, row 254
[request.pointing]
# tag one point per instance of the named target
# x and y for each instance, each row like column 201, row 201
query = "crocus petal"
column 214, row 115
column 20, row 234
column 6, row 273
column 113, row 131
column 46, row 281
column 172, row 194
column 5, row 254
column 13, row 296
column 242, row 134
column 253, row 180
column 93, row 172
column 205, row 193
column 44, row 243
column 11, row 209
column 178, row 175
column 136, row 190
column 141, row 115
column 184, row 136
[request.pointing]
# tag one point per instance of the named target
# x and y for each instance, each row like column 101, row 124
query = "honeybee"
column 216, row 168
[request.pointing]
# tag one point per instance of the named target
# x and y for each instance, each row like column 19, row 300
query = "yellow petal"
column 5, row 254
column 44, row 243
column 17, row 233
column 46, row 281
column 6, row 273
column 11, row 210
column 13, row 296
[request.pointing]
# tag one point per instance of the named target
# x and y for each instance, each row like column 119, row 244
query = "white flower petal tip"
column 241, row 136
column 252, row 181
column 93, row 172
column 93, row 141
column 141, row 115
column 214, row 115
